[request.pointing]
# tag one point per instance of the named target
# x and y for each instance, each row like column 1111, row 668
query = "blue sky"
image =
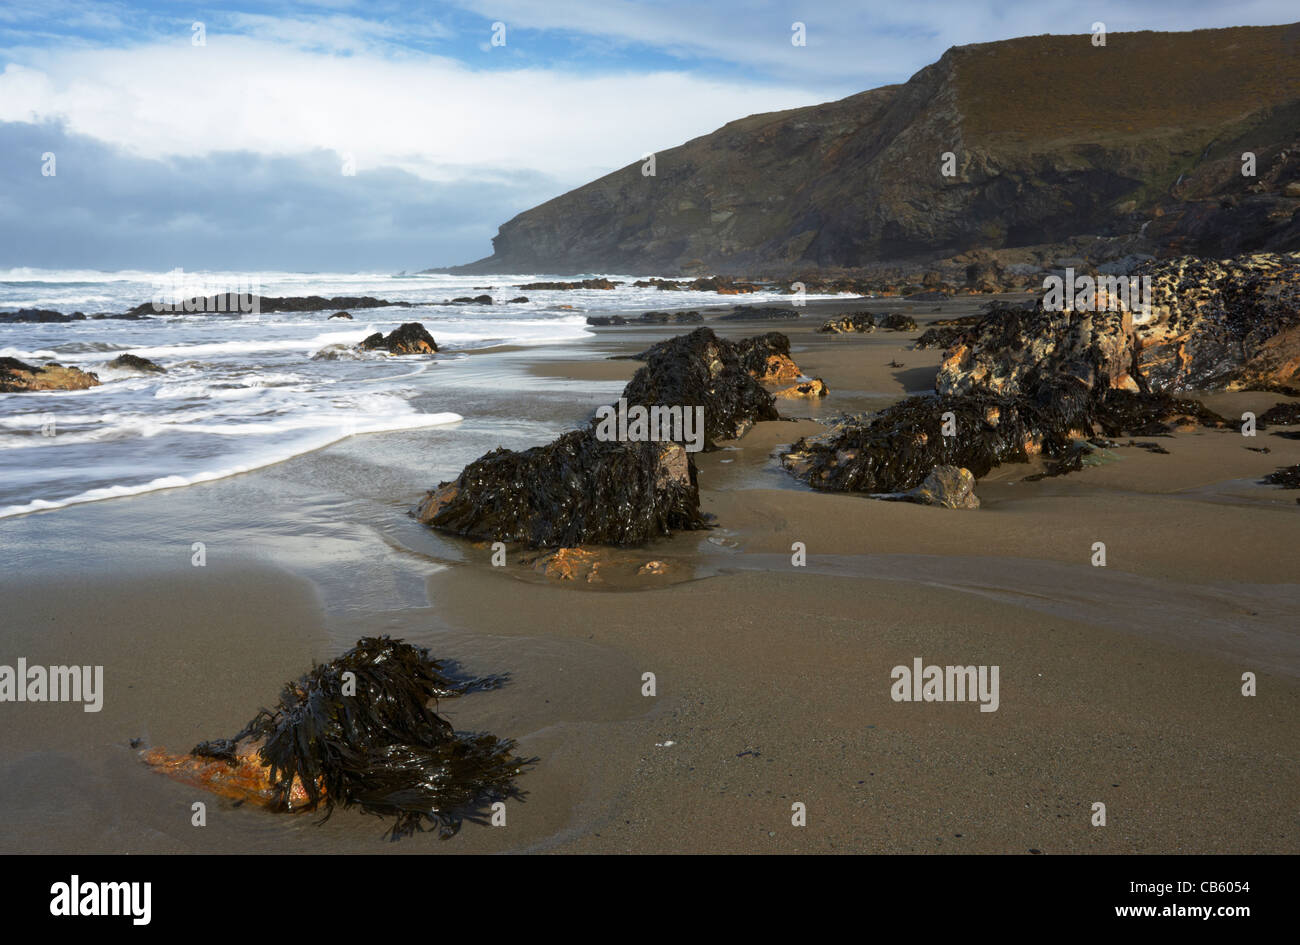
column 231, row 155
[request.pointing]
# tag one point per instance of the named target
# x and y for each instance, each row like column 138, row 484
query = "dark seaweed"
column 384, row 749
column 575, row 490
column 1285, row 414
column 894, row 450
column 1288, row 477
column 701, row 369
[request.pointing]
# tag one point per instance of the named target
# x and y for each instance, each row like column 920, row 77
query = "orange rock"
column 247, row 779
column 814, row 388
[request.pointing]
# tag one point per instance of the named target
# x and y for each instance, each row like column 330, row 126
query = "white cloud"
column 432, row 116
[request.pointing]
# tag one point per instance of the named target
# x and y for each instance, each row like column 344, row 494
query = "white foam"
column 411, row 422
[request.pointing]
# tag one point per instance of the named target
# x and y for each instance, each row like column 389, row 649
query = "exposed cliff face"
column 1053, row 138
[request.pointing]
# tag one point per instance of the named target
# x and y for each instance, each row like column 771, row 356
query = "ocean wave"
column 174, row 481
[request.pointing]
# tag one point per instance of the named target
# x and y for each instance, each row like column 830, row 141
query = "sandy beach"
column 1119, row 684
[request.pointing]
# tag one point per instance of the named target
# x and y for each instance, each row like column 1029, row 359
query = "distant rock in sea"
column 409, row 338
column 130, row 362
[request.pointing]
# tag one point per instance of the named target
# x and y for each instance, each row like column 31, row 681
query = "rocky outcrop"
column 130, row 362
column 812, row 388
column 1018, row 349
column 701, row 369
column 893, row 451
column 949, row 487
column 758, row 313
column 19, row 377
column 234, row 303
column 1050, row 139
column 584, row 488
column 862, row 322
column 1231, row 323
column 577, row 490
column 767, row 358
column 472, row 300
column 648, row 318
column 409, row 338
column 600, row 283
column 347, row 315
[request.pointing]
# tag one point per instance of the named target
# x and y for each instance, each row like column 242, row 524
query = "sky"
column 376, row 137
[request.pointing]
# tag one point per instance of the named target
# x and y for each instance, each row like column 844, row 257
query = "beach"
column 1120, row 684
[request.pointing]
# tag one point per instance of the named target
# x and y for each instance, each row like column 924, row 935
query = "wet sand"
column 1119, row 685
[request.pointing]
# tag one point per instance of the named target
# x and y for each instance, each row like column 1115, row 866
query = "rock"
column 577, row 490
column 569, row 564
column 951, row 487
column 19, row 377
column 767, row 358
column 473, row 300
column 1018, row 349
column 519, row 299
column 39, row 315
column 129, row 362
column 1221, row 323
column 893, row 451
column 648, row 318
column 746, row 313
column 896, row 321
column 653, row 567
column 1285, row 414
column 346, row 315
column 234, row 303
column 813, row 388
column 1288, row 477
column 853, row 323
column 567, row 286
column 701, row 369
column 409, row 338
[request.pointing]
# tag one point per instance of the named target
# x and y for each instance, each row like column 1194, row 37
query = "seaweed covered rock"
column 701, row 369
column 359, row 731
column 1284, row 413
column 20, row 377
column 896, row 321
column 1231, row 323
column 1017, row 349
column 347, row 315
column 767, row 358
column 647, row 318
column 601, row 283
column 853, row 323
column 410, row 338
column 234, row 303
column 131, row 362
column 745, row 313
column 576, row 490
column 949, row 487
column 813, row 388
column 1288, row 477
column 894, row 450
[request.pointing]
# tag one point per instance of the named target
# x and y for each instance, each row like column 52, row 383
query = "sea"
column 242, row 390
